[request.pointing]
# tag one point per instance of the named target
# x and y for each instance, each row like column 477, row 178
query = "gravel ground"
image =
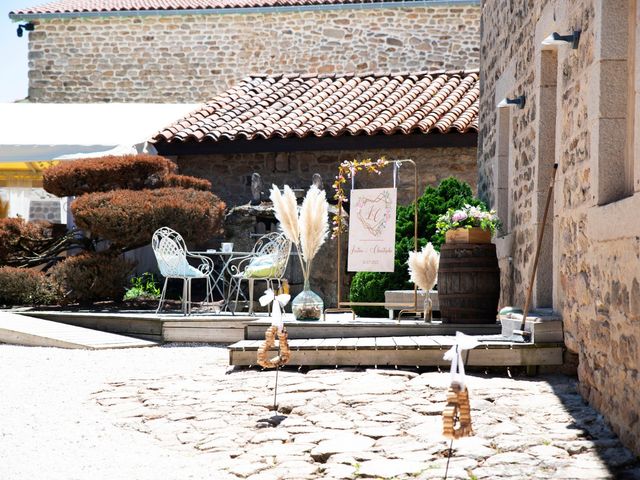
column 52, row 428
column 175, row 413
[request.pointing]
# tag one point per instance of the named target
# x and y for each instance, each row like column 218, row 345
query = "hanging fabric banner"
column 372, row 230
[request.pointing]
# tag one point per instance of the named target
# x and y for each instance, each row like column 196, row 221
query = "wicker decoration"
column 456, row 417
column 269, row 342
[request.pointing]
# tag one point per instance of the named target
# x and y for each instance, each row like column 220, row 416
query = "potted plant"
column 469, row 224
column 468, row 272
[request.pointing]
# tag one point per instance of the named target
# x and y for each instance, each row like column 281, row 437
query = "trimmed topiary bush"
column 185, row 181
column 128, row 218
column 23, row 286
column 103, row 174
column 18, row 237
column 370, row 286
column 92, row 276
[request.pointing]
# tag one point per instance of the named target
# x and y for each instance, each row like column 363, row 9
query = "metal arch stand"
column 347, row 306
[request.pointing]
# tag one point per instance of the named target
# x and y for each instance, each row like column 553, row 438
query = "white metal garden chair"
column 173, row 261
column 267, row 262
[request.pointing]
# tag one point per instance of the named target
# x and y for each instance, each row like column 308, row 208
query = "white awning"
column 48, row 131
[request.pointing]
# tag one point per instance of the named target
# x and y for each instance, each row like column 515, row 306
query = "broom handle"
column 527, row 303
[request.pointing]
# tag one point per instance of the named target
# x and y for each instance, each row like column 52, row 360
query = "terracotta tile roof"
column 301, row 106
column 73, row 6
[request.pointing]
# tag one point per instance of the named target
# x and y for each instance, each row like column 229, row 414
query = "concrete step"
column 17, row 329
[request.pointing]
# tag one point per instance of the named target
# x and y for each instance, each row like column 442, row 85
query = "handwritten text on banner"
column 372, row 230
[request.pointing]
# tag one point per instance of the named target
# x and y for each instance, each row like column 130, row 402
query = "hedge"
column 23, row 286
column 107, row 173
column 92, row 276
column 128, row 218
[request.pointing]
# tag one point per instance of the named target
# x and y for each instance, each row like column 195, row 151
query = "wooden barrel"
column 468, row 283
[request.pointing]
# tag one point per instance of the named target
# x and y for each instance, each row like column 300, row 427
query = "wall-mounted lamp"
column 557, row 39
column 29, row 27
column 517, row 101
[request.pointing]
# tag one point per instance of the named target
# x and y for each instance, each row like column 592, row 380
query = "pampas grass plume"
column 314, row 222
column 423, row 267
column 286, row 210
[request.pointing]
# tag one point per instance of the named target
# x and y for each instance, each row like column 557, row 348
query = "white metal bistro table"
column 218, row 278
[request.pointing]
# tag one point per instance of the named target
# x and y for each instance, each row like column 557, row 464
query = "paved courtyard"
column 180, row 413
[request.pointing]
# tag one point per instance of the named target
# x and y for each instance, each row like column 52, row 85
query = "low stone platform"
column 225, row 328
column 414, row 351
column 205, row 328
column 19, row 329
column 343, row 325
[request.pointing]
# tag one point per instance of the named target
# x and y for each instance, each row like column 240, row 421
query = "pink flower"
column 459, row 216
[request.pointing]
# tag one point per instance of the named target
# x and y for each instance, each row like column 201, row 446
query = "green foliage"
column 89, row 277
column 143, row 287
column 370, row 286
column 24, row 286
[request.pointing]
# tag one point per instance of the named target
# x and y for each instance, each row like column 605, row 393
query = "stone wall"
column 578, row 112
column 230, row 174
column 192, row 57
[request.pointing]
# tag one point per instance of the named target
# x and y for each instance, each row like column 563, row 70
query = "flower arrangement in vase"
column 469, row 224
column 423, row 271
column 307, row 230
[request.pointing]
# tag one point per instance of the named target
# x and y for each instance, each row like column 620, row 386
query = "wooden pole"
column 527, row 303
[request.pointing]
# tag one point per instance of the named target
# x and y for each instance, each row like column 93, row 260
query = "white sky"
column 13, row 52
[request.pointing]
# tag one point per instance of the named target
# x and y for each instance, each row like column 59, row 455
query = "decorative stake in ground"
column 284, row 354
column 276, row 328
column 456, row 417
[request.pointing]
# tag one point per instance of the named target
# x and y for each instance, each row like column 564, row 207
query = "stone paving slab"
column 376, row 423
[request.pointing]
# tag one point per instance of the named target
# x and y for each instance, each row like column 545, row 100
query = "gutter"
column 243, row 10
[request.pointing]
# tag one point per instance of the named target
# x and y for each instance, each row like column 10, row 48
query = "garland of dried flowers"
column 346, row 171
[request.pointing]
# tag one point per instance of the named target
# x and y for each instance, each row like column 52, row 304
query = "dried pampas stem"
column 314, row 223
column 423, row 267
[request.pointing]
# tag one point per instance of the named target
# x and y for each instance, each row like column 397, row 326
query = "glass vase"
column 428, row 307
column 307, row 306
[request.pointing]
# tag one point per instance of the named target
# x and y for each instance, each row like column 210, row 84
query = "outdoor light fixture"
column 507, row 102
column 29, row 27
column 557, row 39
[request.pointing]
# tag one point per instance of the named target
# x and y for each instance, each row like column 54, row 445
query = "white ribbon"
column 454, row 355
column 279, row 301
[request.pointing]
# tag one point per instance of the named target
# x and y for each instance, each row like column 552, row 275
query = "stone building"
column 581, row 110
column 286, row 128
column 183, row 51
column 289, row 127
column 176, row 51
